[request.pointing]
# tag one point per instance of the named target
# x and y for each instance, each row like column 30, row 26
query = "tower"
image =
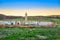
column 26, row 18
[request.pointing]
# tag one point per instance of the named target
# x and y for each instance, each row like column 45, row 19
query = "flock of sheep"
column 27, row 23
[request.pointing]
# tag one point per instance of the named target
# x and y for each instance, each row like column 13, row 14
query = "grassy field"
column 41, row 33
column 30, row 33
column 39, row 20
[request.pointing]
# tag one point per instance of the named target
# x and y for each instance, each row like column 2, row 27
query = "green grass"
column 29, row 33
column 56, row 20
column 39, row 20
column 21, row 19
column 36, row 19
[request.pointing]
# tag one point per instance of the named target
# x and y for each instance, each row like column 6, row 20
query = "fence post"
column 16, row 26
column 3, row 25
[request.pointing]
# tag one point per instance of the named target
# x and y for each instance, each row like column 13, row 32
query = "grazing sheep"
column 46, row 24
column 18, row 23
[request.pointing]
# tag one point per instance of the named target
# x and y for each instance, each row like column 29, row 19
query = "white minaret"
column 26, row 18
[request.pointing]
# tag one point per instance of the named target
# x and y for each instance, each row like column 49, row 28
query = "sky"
column 32, row 7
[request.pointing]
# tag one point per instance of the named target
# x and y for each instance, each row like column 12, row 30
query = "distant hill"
column 55, row 16
column 9, row 17
column 2, row 16
column 29, row 17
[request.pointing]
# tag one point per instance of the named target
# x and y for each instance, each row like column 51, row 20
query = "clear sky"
column 33, row 7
